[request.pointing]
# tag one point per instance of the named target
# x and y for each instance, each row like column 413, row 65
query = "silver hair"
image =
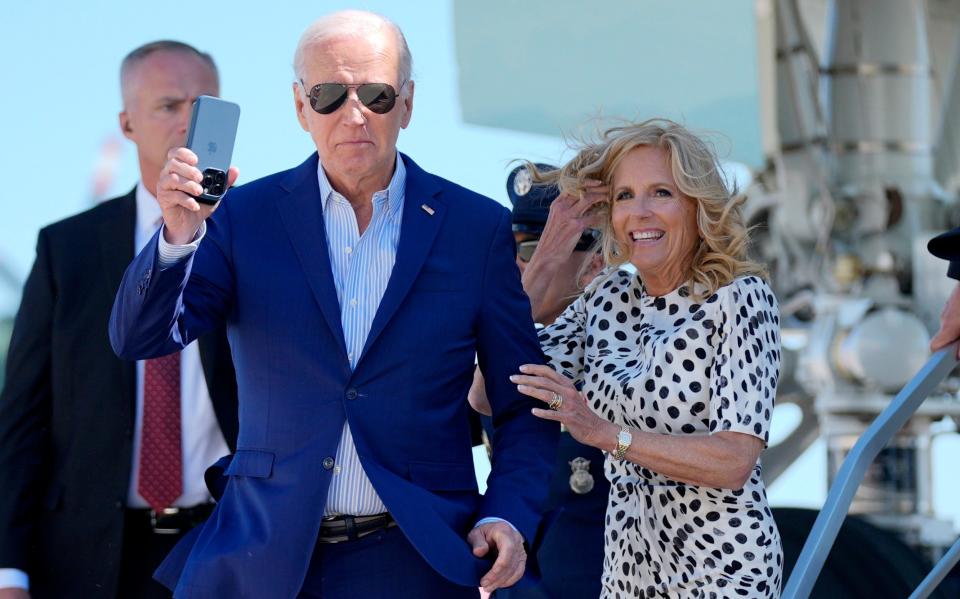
column 350, row 22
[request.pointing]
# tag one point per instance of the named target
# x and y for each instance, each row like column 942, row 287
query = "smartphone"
column 213, row 130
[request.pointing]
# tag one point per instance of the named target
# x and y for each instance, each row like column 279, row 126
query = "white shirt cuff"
column 11, row 578
column 490, row 519
column 169, row 254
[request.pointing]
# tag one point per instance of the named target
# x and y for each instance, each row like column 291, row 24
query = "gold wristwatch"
column 624, row 439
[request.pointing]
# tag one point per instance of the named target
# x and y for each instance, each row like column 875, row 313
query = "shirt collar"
column 393, row 194
column 149, row 214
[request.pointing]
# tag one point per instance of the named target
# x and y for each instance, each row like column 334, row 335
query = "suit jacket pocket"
column 254, row 463
column 443, row 476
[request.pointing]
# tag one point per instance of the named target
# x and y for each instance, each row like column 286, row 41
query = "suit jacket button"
column 328, row 463
column 351, row 394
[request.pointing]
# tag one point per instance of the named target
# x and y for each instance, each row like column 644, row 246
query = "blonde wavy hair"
column 721, row 255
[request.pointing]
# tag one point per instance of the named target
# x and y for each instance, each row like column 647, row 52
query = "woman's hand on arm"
column 721, row 460
column 547, row 385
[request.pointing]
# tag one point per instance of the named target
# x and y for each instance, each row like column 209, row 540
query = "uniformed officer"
column 557, row 256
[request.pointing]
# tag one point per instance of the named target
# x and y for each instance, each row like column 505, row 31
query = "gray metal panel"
column 549, row 66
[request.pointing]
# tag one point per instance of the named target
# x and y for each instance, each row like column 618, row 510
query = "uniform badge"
column 581, row 481
column 522, row 182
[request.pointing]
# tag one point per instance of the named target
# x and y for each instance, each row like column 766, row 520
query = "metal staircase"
column 835, row 509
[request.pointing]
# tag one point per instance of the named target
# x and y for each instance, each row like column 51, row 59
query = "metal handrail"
column 939, row 572
column 854, row 467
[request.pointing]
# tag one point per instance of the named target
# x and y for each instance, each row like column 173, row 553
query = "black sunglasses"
column 326, row 98
column 525, row 249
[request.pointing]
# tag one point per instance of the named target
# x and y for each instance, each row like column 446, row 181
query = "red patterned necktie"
column 160, row 481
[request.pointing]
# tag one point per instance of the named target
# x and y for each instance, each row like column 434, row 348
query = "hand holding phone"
column 177, row 193
column 213, row 130
column 195, row 178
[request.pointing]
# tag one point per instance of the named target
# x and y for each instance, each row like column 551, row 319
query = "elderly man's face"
column 355, row 144
column 652, row 219
column 158, row 99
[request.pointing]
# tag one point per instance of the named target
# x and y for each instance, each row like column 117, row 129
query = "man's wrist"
column 491, row 519
column 169, row 254
column 177, row 238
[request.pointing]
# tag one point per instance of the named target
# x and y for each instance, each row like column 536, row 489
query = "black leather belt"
column 171, row 520
column 337, row 529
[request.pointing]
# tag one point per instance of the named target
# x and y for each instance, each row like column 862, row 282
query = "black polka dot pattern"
column 672, row 365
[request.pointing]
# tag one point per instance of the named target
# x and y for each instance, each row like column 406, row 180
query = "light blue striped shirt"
column 361, row 267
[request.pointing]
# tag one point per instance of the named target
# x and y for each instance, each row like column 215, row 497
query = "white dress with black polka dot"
column 673, row 366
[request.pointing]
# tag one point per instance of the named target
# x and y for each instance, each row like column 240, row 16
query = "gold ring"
column 557, row 401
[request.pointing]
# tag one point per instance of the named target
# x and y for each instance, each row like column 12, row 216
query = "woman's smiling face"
column 654, row 223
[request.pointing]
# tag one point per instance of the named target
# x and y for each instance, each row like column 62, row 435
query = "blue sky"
column 62, row 58
column 61, row 98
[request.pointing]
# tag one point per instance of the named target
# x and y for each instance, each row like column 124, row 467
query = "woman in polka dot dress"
column 677, row 367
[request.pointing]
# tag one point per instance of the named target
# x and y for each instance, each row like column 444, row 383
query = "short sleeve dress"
column 675, row 366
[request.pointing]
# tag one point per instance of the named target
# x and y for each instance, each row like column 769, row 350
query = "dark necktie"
column 160, row 481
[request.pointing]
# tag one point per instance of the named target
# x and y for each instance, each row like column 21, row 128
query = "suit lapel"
column 116, row 239
column 302, row 216
column 417, row 232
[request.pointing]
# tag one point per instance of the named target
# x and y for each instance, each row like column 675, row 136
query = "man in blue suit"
column 356, row 289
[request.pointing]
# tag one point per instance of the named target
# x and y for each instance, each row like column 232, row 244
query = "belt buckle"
column 155, row 520
column 351, row 526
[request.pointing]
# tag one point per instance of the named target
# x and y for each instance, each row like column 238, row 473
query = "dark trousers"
column 383, row 564
column 143, row 550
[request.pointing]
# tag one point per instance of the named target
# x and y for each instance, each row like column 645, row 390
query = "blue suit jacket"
column 264, row 269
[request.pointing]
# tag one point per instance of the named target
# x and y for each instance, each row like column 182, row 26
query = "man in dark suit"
column 357, row 289
column 947, row 246
column 102, row 460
